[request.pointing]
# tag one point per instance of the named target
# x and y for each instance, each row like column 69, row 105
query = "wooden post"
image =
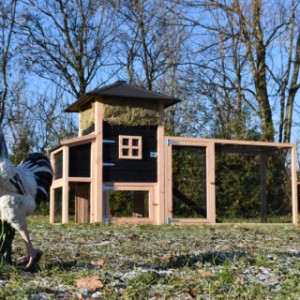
column 65, row 186
column 263, row 194
column 96, row 167
column 160, row 196
column 168, row 179
column 294, row 184
column 211, row 185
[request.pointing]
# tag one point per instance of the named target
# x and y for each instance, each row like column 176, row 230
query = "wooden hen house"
column 120, row 147
column 119, row 168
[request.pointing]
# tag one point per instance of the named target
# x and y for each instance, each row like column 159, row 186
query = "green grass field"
column 158, row 262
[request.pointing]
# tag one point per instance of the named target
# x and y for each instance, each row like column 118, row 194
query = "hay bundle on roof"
column 130, row 112
column 87, row 116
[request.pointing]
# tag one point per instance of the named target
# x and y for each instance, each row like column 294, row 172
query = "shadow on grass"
column 220, row 258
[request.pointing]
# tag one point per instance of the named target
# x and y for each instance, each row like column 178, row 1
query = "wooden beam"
column 211, row 183
column 65, row 186
column 168, row 179
column 96, row 167
column 294, row 184
column 78, row 140
column 160, row 209
column 192, row 141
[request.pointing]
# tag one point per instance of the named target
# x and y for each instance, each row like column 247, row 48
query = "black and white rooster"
column 21, row 187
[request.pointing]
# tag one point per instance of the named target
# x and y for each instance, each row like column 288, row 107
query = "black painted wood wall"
column 80, row 161
column 130, row 170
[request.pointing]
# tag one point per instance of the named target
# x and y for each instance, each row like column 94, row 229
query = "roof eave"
column 75, row 107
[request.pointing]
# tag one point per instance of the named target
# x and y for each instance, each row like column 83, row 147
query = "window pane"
column 135, row 142
column 125, row 152
column 135, row 152
column 125, row 142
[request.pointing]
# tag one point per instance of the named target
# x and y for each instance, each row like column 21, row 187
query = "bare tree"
column 36, row 121
column 7, row 25
column 219, row 71
column 152, row 41
column 287, row 81
column 20, row 130
column 257, row 29
column 51, row 123
column 145, row 40
column 67, row 42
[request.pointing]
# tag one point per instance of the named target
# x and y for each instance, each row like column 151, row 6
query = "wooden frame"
column 210, row 201
column 66, row 180
column 96, row 164
column 159, row 201
column 130, row 150
column 124, row 186
column 211, row 193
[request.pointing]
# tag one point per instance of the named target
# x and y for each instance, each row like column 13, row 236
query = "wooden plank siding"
column 130, row 170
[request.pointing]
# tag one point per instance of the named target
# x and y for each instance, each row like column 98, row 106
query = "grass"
column 159, row 262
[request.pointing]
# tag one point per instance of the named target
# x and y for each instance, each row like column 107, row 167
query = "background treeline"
column 235, row 64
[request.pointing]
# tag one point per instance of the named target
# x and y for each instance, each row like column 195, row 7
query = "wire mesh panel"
column 253, row 185
column 57, row 165
column 58, row 205
column 189, row 182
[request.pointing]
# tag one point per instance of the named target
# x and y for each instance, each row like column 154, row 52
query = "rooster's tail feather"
column 40, row 166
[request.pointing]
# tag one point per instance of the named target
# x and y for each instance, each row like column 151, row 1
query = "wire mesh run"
column 253, row 185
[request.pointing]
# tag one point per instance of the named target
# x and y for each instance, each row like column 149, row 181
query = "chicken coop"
column 122, row 167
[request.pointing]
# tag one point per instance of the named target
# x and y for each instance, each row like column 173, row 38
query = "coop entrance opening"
column 189, row 183
column 127, row 204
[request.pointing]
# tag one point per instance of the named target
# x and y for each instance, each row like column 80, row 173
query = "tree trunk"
column 7, row 234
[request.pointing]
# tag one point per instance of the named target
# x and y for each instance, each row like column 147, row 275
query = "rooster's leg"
column 33, row 254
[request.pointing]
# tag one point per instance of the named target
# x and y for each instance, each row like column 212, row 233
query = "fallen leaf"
column 193, row 292
column 98, row 262
column 206, row 274
column 167, row 257
column 251, row 247
column 90, row 283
